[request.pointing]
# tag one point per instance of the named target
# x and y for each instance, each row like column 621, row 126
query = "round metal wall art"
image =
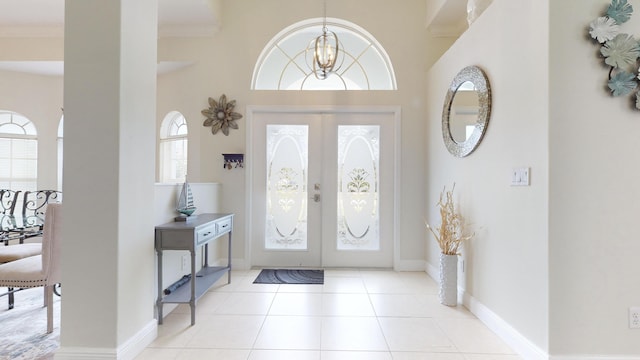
column 220, row 115
column 619, row 50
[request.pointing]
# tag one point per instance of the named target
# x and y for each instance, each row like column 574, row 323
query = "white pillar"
column 109, row 166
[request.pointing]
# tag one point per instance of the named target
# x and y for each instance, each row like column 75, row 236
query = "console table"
column 191, row 235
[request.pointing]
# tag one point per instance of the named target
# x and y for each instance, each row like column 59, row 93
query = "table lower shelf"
column 205, row 278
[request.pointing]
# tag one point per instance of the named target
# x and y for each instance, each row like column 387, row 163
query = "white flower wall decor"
column 620, row 51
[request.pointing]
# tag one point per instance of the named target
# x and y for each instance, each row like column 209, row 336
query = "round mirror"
column 466, row 111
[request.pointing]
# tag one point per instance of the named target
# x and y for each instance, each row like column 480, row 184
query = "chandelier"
column 323, row 54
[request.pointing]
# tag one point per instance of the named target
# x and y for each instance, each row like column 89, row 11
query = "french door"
column 322, row 189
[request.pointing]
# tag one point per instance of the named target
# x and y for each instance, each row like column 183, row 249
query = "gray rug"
column 290, row 276
column 23, row 328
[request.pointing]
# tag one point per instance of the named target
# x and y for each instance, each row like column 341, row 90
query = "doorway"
column 322, row 187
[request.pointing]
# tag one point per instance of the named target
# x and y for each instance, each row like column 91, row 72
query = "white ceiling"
column 24, row 14
column 35, row 18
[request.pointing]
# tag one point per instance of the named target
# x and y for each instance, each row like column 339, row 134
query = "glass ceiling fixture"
column 323, row 54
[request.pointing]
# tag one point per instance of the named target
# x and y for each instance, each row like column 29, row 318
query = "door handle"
column 315, row 197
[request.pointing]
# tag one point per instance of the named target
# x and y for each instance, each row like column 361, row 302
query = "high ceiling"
column 29, row 17
column 45, row 18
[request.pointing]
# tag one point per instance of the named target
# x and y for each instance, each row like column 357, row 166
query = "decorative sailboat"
column 185, row 203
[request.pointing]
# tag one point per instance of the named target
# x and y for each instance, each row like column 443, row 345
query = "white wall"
column 594, row 200
column 506, row 267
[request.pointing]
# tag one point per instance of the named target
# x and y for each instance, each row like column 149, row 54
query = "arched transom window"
column 18, row 152
column 173, row 148
column 282, row 65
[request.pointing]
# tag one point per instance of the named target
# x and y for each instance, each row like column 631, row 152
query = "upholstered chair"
column 39, row 270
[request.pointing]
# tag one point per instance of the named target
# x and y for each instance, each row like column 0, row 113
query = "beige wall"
column 506, row 266
column 594, row 200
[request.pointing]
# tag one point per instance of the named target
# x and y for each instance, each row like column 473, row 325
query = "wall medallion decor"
column 620, row 50
column 220, row 115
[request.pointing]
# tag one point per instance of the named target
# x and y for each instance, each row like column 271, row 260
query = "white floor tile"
column 343, row 285
column 491, row 357
column 284, row 355
column 226, row 332
column 307, row 304
column 427, row 356
column 352, row 333
column 415, row 334
column 399, row 305
column 246, row 303
column 158, row 354
column 433, row 308
column 355, row 315
column 471, row 336
column 346, row 305
column 290, row 333
column 356, row 355
column 200, row 354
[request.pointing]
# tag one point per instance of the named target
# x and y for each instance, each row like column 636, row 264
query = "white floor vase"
column 448, row 279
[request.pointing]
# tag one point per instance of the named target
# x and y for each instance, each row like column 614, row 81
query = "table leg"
column 192, row 302
column 229, row 260
column 159, row 301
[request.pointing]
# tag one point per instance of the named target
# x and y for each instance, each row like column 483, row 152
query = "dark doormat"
column 290, row 276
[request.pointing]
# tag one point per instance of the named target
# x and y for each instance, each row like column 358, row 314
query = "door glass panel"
column 287, row 160
column 358, row 183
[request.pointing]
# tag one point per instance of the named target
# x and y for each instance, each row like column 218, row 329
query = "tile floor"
column 355, row 315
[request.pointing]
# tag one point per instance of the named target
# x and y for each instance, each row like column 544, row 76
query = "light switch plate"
column 520, row 176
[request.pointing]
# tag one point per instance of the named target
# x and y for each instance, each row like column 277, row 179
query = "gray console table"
column 191, row 235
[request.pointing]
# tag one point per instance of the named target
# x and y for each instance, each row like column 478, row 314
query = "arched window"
column 282, row 65
column 173, row 148
column 60, row 154
column 18, row 152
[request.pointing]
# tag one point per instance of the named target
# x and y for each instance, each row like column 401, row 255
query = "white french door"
column 322, row 188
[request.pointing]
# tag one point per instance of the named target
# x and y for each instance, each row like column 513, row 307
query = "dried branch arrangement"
column 450, row 233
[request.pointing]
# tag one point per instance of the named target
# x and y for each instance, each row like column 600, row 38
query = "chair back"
column 51, row 243
column 8, row 200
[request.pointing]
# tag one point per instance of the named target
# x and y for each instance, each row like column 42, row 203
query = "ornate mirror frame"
column 475, row 75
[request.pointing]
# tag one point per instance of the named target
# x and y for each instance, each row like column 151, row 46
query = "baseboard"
column 409, row 265
column 519, row 343
column 595, row 357
column 432, row 271
column 127, row 351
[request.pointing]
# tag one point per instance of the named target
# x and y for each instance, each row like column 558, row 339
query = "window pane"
column 18, row 156
column 287, row 161
column 358, row 164
column 173, row 148
column 284, row 64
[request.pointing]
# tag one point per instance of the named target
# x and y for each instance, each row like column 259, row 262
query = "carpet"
column 290, row 276
column 23, row 328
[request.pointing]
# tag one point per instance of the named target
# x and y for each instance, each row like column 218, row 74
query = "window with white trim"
column 173, row 148
column 282, row 65
column 18, row 152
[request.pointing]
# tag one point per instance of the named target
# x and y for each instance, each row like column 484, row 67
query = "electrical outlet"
column 185, row 262
column 634, row 317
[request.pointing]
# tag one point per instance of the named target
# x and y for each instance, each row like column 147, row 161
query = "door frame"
column 251, row 110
